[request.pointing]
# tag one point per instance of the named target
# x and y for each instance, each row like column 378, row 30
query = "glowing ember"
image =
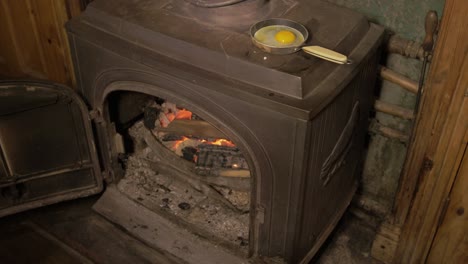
column 183, row 114
column 177, row 143
column 170, row 112
column 221, row 142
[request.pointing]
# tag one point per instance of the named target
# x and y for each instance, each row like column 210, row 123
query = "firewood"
column 167, row 159
column 198, row 128
column 214, row 157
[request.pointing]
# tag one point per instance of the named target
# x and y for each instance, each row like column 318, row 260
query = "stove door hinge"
column 96, row 115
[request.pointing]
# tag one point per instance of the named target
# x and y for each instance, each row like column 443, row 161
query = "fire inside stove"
column 211, row 155
column 185, row 169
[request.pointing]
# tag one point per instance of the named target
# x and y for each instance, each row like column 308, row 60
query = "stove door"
column 47, row 151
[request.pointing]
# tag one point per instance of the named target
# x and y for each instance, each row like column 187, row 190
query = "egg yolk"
column 285, row 37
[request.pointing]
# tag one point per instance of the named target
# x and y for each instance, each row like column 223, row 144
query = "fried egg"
column 279, row 36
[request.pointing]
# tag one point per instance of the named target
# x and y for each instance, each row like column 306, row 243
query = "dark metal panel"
column 98, row 53
column 286, row 148
column 35, row 190
column 46, row 145
column 270, row 131
column 3, row 169
column 331, row 175
column 41, row 139
column 229, row 53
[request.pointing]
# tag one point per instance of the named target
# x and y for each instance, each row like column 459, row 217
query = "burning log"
column 217, row 160
column 187, row 168
column 197, row 128
column 184, row 147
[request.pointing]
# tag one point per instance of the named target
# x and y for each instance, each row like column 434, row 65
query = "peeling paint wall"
column 386, row 156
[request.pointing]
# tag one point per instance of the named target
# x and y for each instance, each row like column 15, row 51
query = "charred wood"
column 213, row 158
column 168, row 159
column 198, row 128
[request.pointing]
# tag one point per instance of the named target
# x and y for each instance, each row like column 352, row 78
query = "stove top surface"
column 217, row 38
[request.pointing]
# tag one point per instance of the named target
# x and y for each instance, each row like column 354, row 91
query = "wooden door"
column 451, row 241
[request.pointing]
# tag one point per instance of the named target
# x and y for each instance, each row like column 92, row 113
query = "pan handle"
column 326, row 54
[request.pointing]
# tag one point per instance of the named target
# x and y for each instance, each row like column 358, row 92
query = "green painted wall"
column 385, row 156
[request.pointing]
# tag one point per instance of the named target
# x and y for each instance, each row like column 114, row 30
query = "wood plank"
column 34, row 41
column 451, row 242
column 438, row 146
column 26, row 34
column 435, row 103
column 74, row 8
column 386, row 243
column 61, row 17
column 9, row 61
column 50, row 24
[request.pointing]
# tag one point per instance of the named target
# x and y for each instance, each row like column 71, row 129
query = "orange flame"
column 220, row 142
column 177, row 144
column 184, row 114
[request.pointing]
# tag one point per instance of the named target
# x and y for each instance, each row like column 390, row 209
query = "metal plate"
column 46, row 145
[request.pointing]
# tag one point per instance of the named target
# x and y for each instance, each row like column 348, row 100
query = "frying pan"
column 317, row 51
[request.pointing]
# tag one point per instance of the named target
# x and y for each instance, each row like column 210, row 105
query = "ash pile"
column 186, row 170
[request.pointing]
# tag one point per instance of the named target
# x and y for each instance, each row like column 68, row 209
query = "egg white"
column 266, row 36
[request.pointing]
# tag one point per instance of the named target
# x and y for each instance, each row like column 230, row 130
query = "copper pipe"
column 394, row 110
column 388, row 132
column 393, row 133
column 405, row 47
column 399, row 79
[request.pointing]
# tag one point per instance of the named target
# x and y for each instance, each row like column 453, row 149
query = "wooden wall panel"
column 9, row 61
column 451, row 241
column 435, row 153
column 33, row 39
column 439, row 139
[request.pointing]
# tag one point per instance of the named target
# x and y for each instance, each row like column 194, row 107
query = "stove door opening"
column 183, row 168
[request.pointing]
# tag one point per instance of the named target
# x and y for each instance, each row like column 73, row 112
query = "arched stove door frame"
column 158, row 85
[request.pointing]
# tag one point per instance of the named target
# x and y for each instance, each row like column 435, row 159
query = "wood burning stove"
column 298, row 121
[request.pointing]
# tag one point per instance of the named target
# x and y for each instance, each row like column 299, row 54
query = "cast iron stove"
column 299, row 121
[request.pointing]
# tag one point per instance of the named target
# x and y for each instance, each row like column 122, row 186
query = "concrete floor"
column 350, row 243
column 71, row 232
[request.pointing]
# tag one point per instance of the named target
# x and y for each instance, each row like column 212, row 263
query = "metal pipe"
column 405, row 47
column 399, row 79
column 394, row 110
column 388, row 132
